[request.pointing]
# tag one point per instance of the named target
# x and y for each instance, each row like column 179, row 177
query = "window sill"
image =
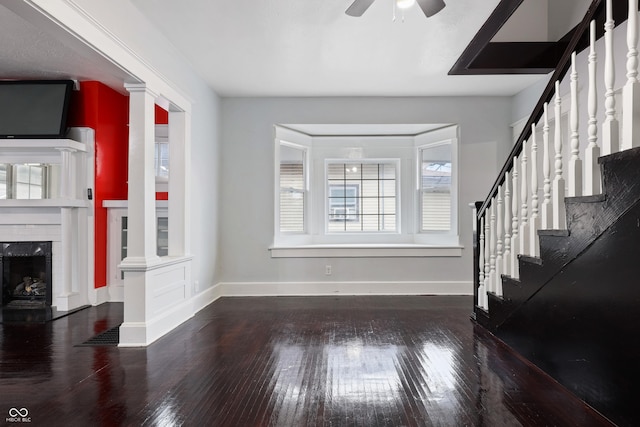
column 365, row 251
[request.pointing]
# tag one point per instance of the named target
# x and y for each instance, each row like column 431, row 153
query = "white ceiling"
column 285, row 48
column 312, row 48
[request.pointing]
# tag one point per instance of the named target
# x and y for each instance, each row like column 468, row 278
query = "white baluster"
column 524, row 214
column 534, row 221
column 492, row 248
column 546, row 215
column 515, row 207
column 482, row 292
column 559, row 213
column 506, row 256
column 497, row 287
column 610, row 127
column 575, row 163
column 592, row 168
column 631, row 90
column 487, row 251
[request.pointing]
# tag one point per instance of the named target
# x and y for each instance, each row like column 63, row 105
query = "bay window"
column 355, row 194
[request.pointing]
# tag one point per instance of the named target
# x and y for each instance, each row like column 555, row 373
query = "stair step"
column 596, row 198
column 482, row 317
column 552, row 232
column 499, row 310
column 511, row 288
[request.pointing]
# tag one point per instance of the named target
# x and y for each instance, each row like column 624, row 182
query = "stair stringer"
column 582, row 327
column 587, row 218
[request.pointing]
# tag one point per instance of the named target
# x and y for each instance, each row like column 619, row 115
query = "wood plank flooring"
column 286, row 361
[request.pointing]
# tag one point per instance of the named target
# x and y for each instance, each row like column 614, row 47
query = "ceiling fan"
column 429, row 7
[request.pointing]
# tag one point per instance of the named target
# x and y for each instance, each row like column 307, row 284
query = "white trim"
column 100, row 296
column 365, row 251
column 239, row 289
column 141, row 334
column 206, row 297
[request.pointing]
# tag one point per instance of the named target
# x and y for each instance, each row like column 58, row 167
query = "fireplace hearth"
column 26, row 275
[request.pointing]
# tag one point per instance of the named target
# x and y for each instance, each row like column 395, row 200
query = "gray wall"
column 248, row 195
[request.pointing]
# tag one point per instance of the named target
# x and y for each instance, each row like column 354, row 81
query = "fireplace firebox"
column 26, row 275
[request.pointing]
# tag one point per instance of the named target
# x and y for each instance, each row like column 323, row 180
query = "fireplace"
column 26, row 275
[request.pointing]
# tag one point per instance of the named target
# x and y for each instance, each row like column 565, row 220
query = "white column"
column 575, row 163
column 592, row 183
column 141, row 239
column 506, row 263
column 141, row 242
column 547, row 210
column 524, row 191
column 558, row 208
column 515, row 205
column 534, row 222
column 179, row 183
column 610, row 129
column 631, row 90
column 68, row 227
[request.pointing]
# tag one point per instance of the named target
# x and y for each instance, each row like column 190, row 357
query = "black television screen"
column 34, row 109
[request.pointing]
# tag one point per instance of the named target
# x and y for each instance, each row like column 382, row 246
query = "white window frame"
column 426, row 141
column 299, row 141
column 398, row 198
column 407, row 240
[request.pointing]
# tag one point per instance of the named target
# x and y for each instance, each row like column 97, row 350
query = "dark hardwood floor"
column 287, row 361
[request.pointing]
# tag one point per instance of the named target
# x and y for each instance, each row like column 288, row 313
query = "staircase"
column 558, row 278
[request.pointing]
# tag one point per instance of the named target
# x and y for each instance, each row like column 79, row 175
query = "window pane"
column 162, row 159
column 3, row 181
column 436, row 188
column 292, row 189
column 357, row 200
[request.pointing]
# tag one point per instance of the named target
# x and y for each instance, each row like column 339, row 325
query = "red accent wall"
column 106, row 111
column 162, row 116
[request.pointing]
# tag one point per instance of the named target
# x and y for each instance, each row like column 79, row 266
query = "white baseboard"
column 100, row 296
column 206, row 297
column 238, row 289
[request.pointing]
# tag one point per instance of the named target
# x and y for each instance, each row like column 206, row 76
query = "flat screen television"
column 34, row 108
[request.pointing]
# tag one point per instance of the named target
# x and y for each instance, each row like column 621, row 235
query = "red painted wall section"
column 106, row 111
column 162, row 116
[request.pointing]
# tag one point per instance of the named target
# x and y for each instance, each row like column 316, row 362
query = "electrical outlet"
column 327, row 270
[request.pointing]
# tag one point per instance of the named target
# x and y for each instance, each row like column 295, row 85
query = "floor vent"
column 110, row 337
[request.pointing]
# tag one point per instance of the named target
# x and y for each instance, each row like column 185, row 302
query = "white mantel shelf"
column 41, row 144
column 44, row 203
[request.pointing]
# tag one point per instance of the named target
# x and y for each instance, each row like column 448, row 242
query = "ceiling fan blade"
column 358, row 7
column 431, row 7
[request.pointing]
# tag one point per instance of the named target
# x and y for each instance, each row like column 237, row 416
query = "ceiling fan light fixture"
column 405, row 4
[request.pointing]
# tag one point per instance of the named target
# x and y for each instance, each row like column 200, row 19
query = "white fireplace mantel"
column 66, row 220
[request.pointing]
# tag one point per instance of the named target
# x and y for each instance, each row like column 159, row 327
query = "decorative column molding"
column 610, row 127
column 592, row 178
column 515, row 207
column 575, row 162
column 558, row 207
column 631, row 90
column 179, row 183
column 546, row 211
column 141, row 242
